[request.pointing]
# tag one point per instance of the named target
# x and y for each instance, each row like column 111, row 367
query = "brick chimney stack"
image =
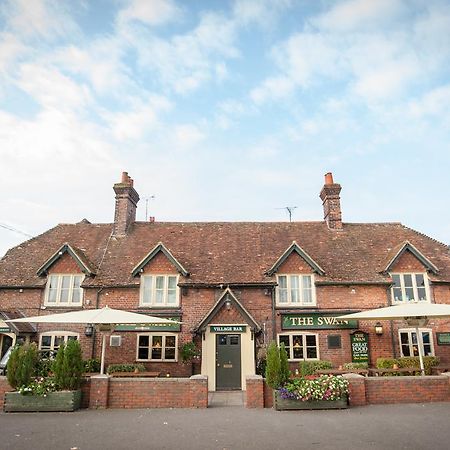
column 331, row 203
column 126, row 204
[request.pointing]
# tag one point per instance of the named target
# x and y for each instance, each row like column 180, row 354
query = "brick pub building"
column 233, row 286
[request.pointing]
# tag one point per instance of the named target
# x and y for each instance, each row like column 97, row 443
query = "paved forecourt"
column 412, row 426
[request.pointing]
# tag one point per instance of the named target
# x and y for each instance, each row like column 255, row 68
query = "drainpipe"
column 391, row 323
column 97, row 302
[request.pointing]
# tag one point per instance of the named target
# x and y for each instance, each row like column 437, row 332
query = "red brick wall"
column 158, row 393
column 4, row 387
column 65, row 264
column 268, row 396
column 408, row 263
column 407, row 389
column 254, row 396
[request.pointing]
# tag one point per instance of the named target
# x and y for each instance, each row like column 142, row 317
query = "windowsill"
column 406, row 302
column 159, row 307
column 58, row 306
column 296, row 306
column 155, row 361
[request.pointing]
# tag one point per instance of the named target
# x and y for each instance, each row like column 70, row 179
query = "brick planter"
column 53, row 401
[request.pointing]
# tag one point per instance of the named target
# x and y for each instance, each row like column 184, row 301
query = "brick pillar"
column 357, row 389
column 255, row 391
column 98, row 396
column 199, row 391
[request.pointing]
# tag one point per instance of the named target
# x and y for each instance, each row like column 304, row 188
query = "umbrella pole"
column 102, row 365
column 419, row 347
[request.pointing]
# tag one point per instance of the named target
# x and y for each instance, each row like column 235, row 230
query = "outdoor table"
column 134, row 374
column 378, row 372
column 437, row 370
column 364, row 372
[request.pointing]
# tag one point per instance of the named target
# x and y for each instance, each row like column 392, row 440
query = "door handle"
column 218, row 365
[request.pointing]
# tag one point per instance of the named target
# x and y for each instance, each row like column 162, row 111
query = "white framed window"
column 300, row 346
column 409, row 344
column 157, row 347
column 295, row 290
column 159, row 290
column 64, row 290
column 407, row 287
column 50, row 341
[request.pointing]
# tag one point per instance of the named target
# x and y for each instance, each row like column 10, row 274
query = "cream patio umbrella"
column 104, row 316
column 416, row 314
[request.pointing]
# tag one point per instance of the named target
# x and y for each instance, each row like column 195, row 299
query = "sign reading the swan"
column 360, row 347
column 313, row 321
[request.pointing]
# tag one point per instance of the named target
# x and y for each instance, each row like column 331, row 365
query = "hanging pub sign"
column 314, row 321
column 150, row 326
column 360, row 347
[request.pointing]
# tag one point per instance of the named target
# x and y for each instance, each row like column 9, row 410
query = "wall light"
column 228, row 305
column 378, row 329
column 89, row 330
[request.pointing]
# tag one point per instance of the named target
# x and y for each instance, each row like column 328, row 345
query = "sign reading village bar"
column 314, row 321
column 227, row 328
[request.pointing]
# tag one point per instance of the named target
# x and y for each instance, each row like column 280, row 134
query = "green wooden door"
column 228, row 361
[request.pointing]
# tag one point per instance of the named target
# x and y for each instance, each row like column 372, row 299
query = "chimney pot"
column 125, row 177
column 329, row 178
column 126, row 204
column 151, row 219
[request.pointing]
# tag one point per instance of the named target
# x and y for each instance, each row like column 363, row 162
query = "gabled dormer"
column 65, row 271
column 159, row 271
column 409, row 269
column 295, row 271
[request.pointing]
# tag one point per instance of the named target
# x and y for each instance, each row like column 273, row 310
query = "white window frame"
column 291, row 346
column 54, row 335
column 70, row 302
column 301, row 302
column 150, row 336
column 410, row 331
column 152, row 301
column 414, row 282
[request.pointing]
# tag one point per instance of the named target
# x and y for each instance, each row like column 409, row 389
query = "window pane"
column 295, row 291
column 65, row 288
column 147, row 289
column 159, row 282
column 172, row 282
column 282, row 289
column 306, row 289
column 284, row 340
column 311, row 352
column 297, row 347
column 426, row 337
column 76, row 296
column 298, row 352
column 77, row 281
column 58, row 341
column 234, row 340
column 46, row 342
column 143, row 353
column 396, row 280
column 310, row 340
column 156, row 353
column 53, row 288
column 172, row 296
column 404, row 338
column 397, row 293
column 405, row 350
column 169, row 353
column 282, row 281
column 170, row 341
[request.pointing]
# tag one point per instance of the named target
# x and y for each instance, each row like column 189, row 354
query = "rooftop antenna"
column 290, row 210
column 152, row 197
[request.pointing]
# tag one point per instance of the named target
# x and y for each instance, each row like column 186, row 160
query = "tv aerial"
column 290, row 210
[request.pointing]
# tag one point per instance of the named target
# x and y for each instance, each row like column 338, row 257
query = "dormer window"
column 64, row 290
column 408, row 287
column 159, row 290
column 295, row 290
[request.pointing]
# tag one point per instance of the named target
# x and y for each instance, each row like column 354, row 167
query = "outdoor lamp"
column 228, row 305
column 89, row 330
column 378, row 329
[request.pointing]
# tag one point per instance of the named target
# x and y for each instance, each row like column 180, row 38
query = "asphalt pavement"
column 411, row 426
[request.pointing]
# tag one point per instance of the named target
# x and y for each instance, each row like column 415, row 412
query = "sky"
column 224, row 110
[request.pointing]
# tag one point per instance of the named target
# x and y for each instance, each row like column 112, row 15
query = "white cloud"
column 10, row 49
column 51, row 88
column 44, row 18
column 187, row 136
column 273, row 89
column 263, row 12
column 151, row 12
column 435, row 103
column 355, row 15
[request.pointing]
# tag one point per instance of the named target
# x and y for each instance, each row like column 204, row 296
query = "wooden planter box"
column 54, row 401
column 281, row 404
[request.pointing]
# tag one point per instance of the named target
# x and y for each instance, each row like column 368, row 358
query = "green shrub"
column 408, row 361
column 273, row 366
column 113, row 368
column 355, row 365
column 188, row 352
column 44, row 367
column 91, row 365
column 310, row 367
column 22, row 365
column 261, row 361
column 285, row 373
column 68, row 366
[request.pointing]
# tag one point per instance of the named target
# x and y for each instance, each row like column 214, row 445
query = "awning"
column 17, row 328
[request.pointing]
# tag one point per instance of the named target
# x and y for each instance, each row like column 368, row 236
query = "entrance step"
column 225, row 398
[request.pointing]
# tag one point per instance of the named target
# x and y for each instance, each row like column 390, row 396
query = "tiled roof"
column 226, row 252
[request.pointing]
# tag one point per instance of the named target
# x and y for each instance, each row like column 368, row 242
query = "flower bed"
column 325, row 392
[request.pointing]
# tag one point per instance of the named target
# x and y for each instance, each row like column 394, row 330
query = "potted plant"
column 190, row 354
column 57, row 392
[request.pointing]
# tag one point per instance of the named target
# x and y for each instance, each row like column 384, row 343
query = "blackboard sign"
column 443, row 338
column 360, row 347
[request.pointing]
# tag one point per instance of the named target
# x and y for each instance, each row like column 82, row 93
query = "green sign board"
column 150, row 326
column 228, row 328
column 313, row 321
column 5, row 329
column 443, row 338
column 360, row 347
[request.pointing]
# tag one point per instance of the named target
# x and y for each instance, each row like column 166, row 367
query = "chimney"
column 126, row 203
column 331, row 203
